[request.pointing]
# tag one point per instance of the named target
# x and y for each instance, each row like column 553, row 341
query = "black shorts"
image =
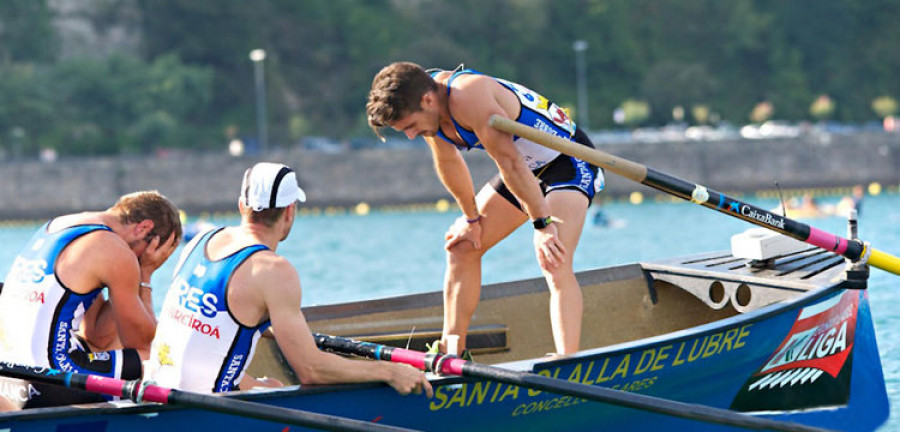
column 123, row 364
column 564, row 172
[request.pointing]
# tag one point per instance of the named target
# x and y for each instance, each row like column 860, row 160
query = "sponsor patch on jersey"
column 194, row 299
column 541, row 105
column 191, row 321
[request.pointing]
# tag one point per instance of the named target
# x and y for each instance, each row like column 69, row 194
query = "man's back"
column 201, row 345
column 253, row 287
column 38, row 312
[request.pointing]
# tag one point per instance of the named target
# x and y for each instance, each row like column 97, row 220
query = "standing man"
column 230, row 286
column 450, row 109
column 52, row 313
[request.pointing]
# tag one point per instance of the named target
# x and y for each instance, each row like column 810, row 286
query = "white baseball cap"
column 270, row 185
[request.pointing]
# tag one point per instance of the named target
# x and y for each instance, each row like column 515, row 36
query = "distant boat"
column 806, row 207
column 809, row 208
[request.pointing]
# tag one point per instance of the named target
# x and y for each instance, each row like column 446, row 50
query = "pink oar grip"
column 827, row 241
column 104, row 385
column 412, row 358
column 453, row 366
column 157, row 394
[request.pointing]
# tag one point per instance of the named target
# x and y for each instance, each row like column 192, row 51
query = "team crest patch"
column 814, row 359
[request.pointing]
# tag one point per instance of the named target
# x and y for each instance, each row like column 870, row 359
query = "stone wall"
column 211, row 182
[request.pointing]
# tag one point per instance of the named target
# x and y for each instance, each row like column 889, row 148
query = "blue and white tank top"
column 536, row 111
column 38, row 314
column 199, row 345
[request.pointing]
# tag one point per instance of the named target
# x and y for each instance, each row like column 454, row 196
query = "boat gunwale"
column 754, row 316
column 763, row 282
column 105, row 408
column 498, row 290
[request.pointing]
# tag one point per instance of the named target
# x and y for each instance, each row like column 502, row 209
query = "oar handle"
column 851, row 249
column 418, row 360
column 138, row 392
column 452, row 365
column 620, row 166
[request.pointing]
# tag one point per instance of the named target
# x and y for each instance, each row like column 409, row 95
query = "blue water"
column 348, row 257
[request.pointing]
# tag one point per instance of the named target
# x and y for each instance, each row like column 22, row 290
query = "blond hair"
column 267, row 217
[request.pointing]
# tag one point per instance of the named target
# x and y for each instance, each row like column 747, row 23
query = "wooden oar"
column 451, row 365
column 138, row 392
column 852, row 249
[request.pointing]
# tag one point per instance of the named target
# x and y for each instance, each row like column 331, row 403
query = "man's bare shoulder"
column 105, row 245
column 98, row 257
column 70, row 220
column 271, row 271
column 474, row 97
column 443, row 76
column 267, row 260
column 472, row 86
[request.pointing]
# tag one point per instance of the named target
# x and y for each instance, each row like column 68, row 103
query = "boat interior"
column 621, row 304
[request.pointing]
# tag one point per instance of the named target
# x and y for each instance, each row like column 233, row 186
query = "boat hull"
column 800, row 353
column 712, row 366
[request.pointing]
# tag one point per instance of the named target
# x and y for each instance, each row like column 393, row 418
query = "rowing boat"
column 787, row 336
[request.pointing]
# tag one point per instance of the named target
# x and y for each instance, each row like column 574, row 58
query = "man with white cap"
column 229, row 286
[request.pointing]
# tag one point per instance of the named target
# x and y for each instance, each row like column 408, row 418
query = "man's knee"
column 463, row 252
column 6, row 405
column 561, row 279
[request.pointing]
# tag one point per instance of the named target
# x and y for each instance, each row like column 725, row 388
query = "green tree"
column 191, row 80
column 124, row 104
column 26, row 105
column 672, row 84
column 26, row 32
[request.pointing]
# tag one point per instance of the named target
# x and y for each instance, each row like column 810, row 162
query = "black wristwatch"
column 541, row 223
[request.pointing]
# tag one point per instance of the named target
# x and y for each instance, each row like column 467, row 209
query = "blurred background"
column 103, row 97
column 84, row 77
column 125, row 90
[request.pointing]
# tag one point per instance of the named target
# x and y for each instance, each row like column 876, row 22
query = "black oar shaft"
column 275, row 414
column 430, row 362
column 129, row 389
column 667, row 183
column 851, row 249
column 632, row 400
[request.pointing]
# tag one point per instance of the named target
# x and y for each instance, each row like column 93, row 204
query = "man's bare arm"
column 454, row 174
column 473, row 102
column 281, row 288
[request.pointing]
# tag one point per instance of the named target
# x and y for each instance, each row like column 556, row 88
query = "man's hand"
column 462, row 230
column 156, row 254
column 407, row 379
column 550, row 250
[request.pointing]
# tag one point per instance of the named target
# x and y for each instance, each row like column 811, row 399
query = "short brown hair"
column 397, row 92
column 267, row 217
column 150, row 205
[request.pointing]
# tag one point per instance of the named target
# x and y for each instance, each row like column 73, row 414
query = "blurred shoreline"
column 209, row 182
